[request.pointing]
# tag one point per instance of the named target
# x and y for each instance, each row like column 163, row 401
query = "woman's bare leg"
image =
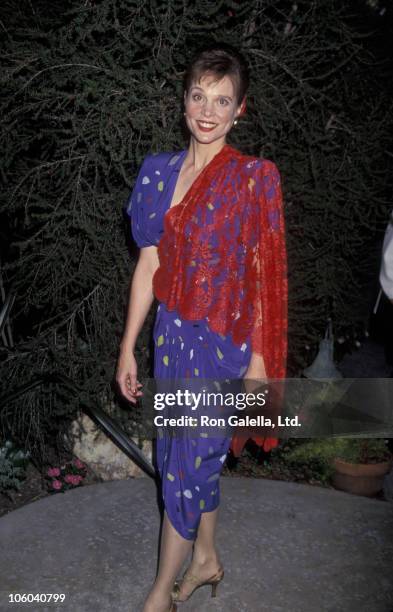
column 205, row 546
column 205, row 561
column 173, row 552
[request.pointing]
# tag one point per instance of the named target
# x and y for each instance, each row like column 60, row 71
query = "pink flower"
column 57, row 484
column 78, row 464
column 53, row 472
column 73, row 479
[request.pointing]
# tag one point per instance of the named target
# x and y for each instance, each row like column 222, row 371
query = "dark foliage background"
column 89, row 88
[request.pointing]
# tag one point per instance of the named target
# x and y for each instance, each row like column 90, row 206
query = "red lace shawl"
column 222, row 256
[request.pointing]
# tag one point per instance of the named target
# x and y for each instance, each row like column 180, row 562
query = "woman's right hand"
column 126, row 377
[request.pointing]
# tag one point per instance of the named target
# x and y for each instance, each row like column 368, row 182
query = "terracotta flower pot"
column 360, row 478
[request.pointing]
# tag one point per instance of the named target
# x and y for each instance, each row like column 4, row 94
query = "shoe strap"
column 197, row 580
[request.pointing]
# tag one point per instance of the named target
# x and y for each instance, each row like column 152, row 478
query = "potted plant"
column 355, row 465
column 361, row 464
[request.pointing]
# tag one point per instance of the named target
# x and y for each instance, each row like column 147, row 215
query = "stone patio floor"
column 285, row 547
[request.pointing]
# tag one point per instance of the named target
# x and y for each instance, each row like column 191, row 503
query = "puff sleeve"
column 136, row 207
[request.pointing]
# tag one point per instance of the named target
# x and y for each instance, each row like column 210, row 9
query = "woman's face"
column 211, row 108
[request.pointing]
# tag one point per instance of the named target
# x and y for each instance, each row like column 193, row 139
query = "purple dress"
column 189, row 467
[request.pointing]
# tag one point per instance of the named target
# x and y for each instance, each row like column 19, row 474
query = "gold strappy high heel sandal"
column 214, row 580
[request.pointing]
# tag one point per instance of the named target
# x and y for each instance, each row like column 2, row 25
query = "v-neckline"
column 177, row 169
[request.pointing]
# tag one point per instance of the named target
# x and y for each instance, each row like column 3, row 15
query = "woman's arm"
column 269, row 267
column 141, row 296
column 140, row 301
column 256, row 368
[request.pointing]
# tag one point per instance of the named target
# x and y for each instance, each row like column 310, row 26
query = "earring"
column 235, row 122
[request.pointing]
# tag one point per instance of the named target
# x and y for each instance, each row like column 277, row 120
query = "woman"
column 209, row 224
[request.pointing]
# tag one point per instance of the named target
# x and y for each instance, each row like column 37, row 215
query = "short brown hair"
column 219, row 59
